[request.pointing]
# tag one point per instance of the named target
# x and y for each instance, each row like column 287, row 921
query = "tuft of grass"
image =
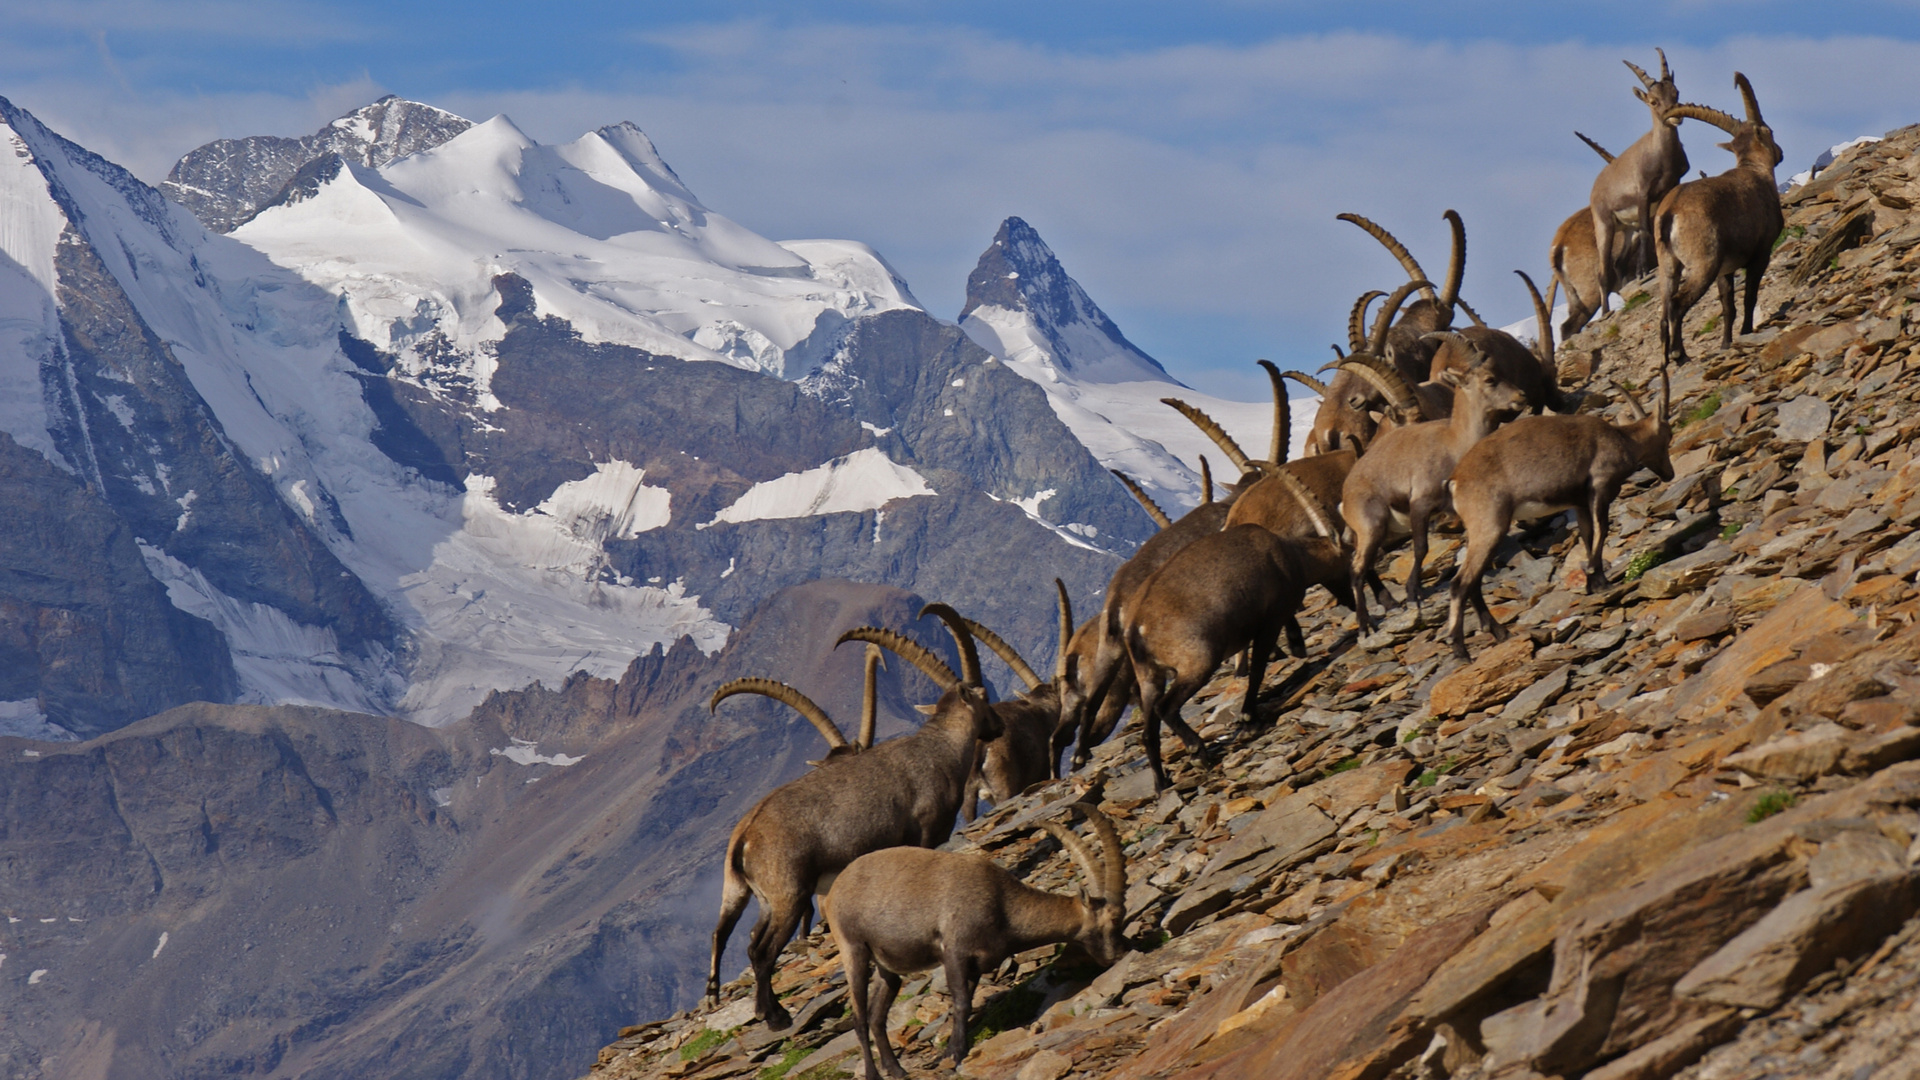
column 1708, row 327
column 828, row 1071
column 1348, row 765
column 1642, row 563
column 1412, row 734
column 1730, row 530
column 1613, row 331
column 1862, row 429
column 1017, row 1007
column 1432, row 776
column 698, row 1046
column 778, row 1070
column 1637, row 299
column 1791, row 232
column 1770, row 804
column 1707, row 407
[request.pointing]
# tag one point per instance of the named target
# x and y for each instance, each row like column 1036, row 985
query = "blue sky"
column 1185, row 161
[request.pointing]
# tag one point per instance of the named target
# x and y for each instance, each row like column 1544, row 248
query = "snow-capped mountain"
column 444, row 431
column 1024, row 308
column 609, row 237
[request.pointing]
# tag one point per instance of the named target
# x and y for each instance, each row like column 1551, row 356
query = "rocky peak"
column 1019, row 279
column 227, row 181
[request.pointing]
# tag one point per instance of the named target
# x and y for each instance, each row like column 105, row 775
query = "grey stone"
column 1544, row 692
column 1804, row 418
column 1686, row 573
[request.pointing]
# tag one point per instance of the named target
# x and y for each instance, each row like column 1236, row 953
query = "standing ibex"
column 1710, row 228
column 905, row 910
column 1402, row 480
column 1023, row 754
column 1236, row 589
column 1538, row 466
column 1631, row 185
column 903, row 791
column 1575, row 258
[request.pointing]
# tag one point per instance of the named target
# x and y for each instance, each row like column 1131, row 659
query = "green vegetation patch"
column 1770, row 804
column 1791, row 232
column 1348, row 765
column 1707, row 407
column 788, row 1060
column 698, row 1046
column 1644, row 562
column 1432, row 776
column 1637, row 299
column 1731, row 529
column 1708, row 327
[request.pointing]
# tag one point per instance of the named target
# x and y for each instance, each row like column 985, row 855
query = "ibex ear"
column 1727, row 146
column 1450, row 377
column 1642, row 95
column 926, row 710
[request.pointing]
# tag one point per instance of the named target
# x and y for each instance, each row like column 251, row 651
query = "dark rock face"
column 1019, row 271
column 227, row 181
column 83, row 625
column 345, row 896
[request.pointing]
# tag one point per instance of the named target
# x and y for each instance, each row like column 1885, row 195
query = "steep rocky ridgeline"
column 291, row 890
column 1671, row 828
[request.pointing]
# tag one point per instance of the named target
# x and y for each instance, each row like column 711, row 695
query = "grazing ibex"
column 1023, row 754
column 1532, row 370
column 1402, row 480
column 905, row 910
column 1346, row 417
column 1575, row 258
column 1710, row 228
column 1538, row 466
column 1631, row 185
column 1236, row 589
column 903, row 791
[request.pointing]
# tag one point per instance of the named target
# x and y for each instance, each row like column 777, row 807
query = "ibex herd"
column 1420, row 419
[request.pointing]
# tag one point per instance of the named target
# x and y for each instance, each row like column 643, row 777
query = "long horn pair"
column 1310, row 504
column 1066, row 632
column 907, row 649
column 1213, row 431
column 1383, row 322
column 1633, row 403
column 1543, row 314
column 1605, row 155
column 1309, row 381
column 1724, row 121
column 1393, row 245
column 1282, row 415
column 1152, row 508
column 1456, row 264
column 1646, row 80
column 785, row 695
column 962, row 639
column 1004, row 651
column 1386, row 378
column 1106, row 874
column 1357, row 321
column 1746, row 95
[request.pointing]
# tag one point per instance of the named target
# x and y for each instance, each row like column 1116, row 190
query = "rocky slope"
column 1671, row 828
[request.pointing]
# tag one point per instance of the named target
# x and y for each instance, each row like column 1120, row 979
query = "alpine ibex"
column 1538, row 466
column 1710, row 228
column 904, row 791
column 1233, row 590
column 1631, row 185
column 1023, row 754
column 1575, row 258
column 905, row 910
column 1532, row 370
column 1346, row 417
column 837, row 745
column 1432, row 312
column 1402, row 479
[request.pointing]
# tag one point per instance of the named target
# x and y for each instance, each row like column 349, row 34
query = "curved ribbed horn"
column 1646, row 80
column 1316, row 510
column 1543, row 341
column 1066, row 631
column 1357, row 321
column 1153, row 510
column 870, row 695
column 1399, row 250
column 962, row 639
column 1113, row 855
column 1079, row 852
column 1387, row 379
column 1665, row 71
column 907, row 649
column 1384, row 321
column 1471, row 314
column 1597, row 148
column 1005, row 652
column 1282, row 414
column 1632, row 402
column 1723, row 121
column 1309, row 381
column 1206, row 479
column 1746, row 95
column 1213, row 431
column 785, row 695
column 1666, row 395
column 1456, row 264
